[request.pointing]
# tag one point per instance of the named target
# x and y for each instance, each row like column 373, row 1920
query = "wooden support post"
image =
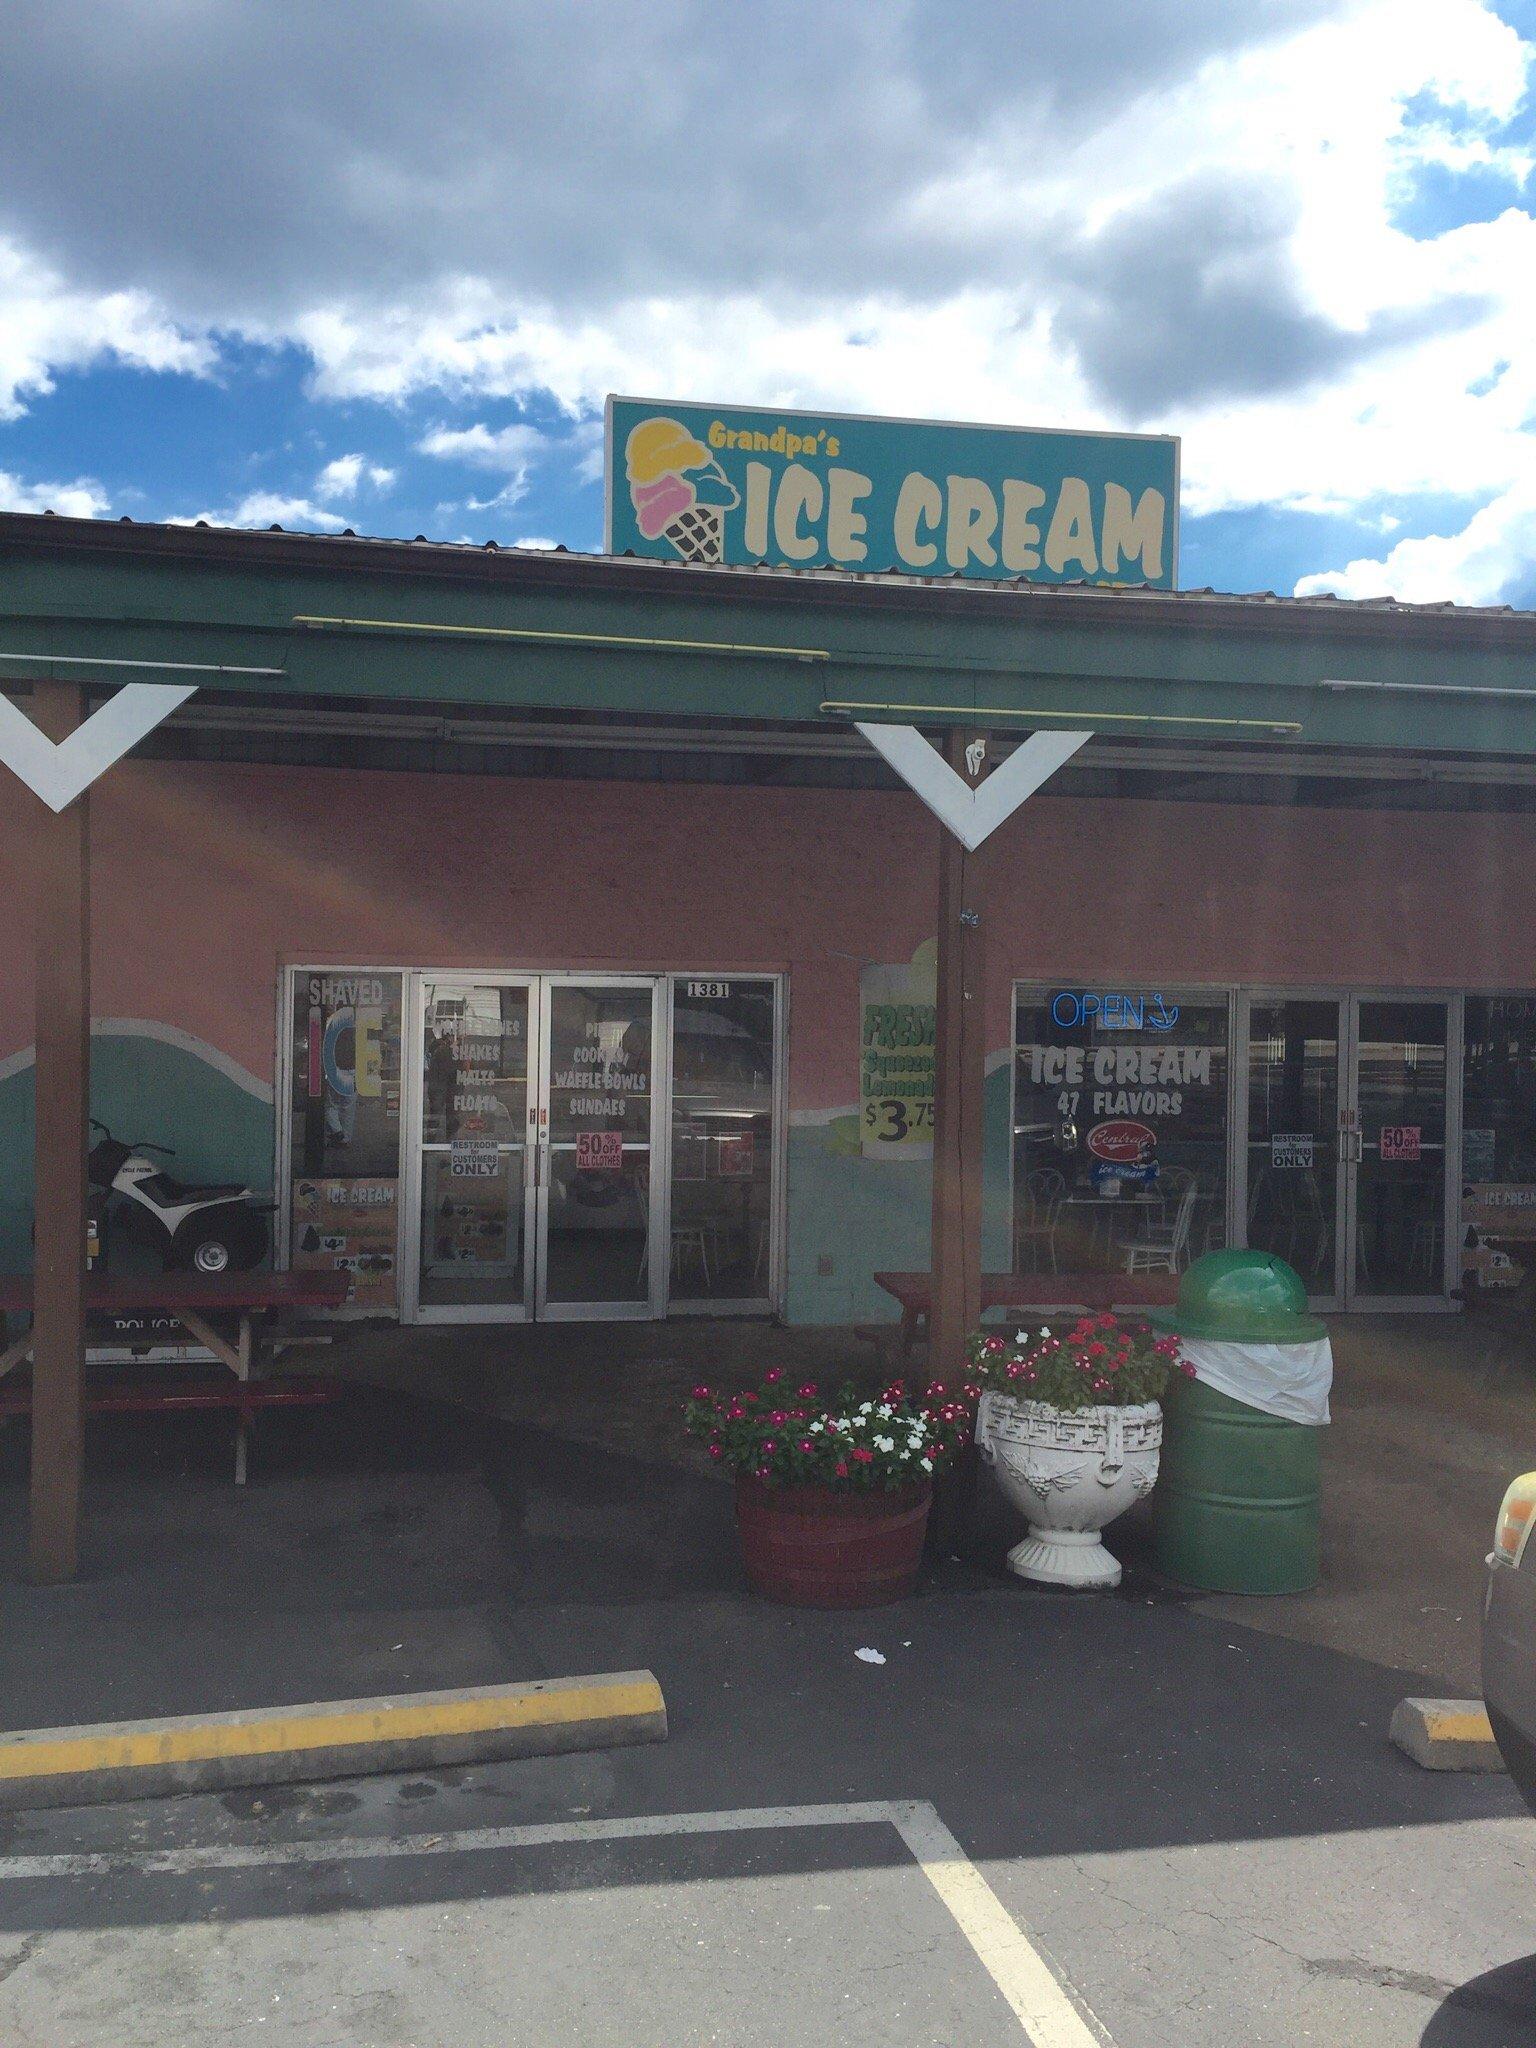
column 959, row 1083
column 63, row 1089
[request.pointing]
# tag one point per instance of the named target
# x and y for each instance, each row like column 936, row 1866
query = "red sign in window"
column 1122, row 1142
column 600, row 1151
column 736, row 1156
column 1401, row 1142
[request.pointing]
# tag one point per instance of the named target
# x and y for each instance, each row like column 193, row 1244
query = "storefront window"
column 722, row 1138
column 1120, row 1127
column 344, row 1128
column 1498, row 1141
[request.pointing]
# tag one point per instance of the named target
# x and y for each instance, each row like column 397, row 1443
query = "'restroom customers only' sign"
column 805, row 490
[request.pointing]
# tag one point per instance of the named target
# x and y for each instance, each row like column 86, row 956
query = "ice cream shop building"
column 565, row 936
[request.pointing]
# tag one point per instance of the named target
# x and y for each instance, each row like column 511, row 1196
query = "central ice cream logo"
column 679, row 492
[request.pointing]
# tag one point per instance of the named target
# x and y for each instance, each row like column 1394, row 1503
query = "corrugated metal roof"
column 26, row 525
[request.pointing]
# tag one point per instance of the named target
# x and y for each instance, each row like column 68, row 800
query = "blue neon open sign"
column 1112, row 1010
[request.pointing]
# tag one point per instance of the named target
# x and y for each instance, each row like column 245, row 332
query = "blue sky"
column 254, row 272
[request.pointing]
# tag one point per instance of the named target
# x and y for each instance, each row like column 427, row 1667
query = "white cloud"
column 507, row 451
column 343, row 475
column 1491, row 560
column 47, row 327
column 584, row 445
column 504, row 449
column 1189, row 225
column 340, row 477
column 1374, row 346
column 971, row 355
column 83, row 499
column 270, row 508
column 536, row 540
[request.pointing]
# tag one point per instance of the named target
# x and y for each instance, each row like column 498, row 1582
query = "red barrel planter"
column 813, row 1546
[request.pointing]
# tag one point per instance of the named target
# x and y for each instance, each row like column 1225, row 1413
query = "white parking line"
column 1045, row 2011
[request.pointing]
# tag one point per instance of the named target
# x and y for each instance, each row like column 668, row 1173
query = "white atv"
column 203, row 1229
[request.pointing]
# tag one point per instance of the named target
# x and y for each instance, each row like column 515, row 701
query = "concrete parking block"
column 1446, row 1735
column 336, row 1738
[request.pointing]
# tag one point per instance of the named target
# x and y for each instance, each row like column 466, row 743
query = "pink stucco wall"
column 207, row 877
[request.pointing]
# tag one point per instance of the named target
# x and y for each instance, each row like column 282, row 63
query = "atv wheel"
column 220, row 1244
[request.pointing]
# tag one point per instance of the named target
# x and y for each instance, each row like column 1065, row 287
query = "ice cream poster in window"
column 348, row 1226
column 680, row 493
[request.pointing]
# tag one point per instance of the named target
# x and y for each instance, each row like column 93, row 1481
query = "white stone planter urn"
column 1070, row 1474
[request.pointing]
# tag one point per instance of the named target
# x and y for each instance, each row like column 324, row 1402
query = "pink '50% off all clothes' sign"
column 600, row 1151
column 1401, row 1142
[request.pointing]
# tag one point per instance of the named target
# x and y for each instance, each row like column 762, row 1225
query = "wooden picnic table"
column 190, row 1299
column 1033, row 1291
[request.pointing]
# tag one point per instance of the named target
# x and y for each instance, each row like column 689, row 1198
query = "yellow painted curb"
column 1446, row 1735
column 122, row 1759
column 1458, row 1724
column 43, row 1753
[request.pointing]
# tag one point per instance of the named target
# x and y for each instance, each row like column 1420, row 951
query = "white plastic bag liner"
column 1288, row 1380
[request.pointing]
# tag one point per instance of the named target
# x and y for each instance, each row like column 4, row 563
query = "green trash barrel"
column 1238, row 1506
column 1239, row 1496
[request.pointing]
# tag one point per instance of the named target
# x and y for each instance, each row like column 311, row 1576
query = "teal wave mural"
column 853, row 1214
column 860, row 1215
column 142, row 1086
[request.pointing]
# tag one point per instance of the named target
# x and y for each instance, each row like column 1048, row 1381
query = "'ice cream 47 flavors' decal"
column 680, row 493
column 693, row 483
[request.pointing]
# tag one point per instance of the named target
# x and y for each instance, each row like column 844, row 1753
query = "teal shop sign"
column 806, row 490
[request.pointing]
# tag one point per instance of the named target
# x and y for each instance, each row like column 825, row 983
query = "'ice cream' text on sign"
column 695, row 483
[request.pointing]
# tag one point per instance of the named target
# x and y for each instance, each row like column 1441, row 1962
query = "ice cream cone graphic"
column 698, row 534
column 679, row 492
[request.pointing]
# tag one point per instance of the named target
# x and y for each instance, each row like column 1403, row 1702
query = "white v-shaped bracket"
column 59, row 771
column 971, row 814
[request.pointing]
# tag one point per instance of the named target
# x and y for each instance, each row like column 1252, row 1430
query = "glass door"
column 1346, row 1149
column 472, row 1196
column 1293, row 1145
column 544, row 1114
column 597, row 1190
column 1396, row 1154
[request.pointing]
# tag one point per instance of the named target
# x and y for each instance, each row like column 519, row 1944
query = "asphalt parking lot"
column 1197, row 1830
column 741, row 1927
column 570, row 1899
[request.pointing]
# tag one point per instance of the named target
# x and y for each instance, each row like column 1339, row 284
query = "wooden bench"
column 121, row 1390
column 190, row 1299
column 1038, row 1293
